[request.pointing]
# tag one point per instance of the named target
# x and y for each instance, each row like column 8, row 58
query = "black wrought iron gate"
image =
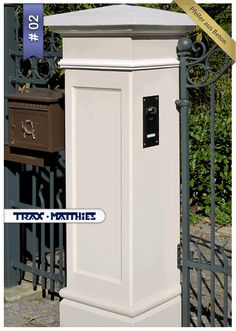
column 35, row 252
column 195, row 57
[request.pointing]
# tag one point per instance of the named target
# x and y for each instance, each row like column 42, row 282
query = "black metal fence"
column 34, row 252
column 215, row 266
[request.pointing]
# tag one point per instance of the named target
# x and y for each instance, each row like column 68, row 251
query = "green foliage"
column 53, row 8
column 195, row 218
column 167, row 6
column 200, row 130
column 222, row 14
column 200, row 150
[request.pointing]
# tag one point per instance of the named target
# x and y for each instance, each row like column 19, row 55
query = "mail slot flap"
column 38, row 95
column 29, row 106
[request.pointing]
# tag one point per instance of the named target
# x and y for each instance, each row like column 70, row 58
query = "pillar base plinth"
column 77, row 315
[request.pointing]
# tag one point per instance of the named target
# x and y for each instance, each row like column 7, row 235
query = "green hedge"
column 200, row 151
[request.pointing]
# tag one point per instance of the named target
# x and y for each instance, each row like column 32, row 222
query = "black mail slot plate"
column 150, row 121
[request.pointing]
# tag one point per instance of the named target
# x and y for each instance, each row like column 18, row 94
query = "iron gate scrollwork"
column 195, row 57
column 35, row 252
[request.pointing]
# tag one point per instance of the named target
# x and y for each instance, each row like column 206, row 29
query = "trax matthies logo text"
column 54, row 215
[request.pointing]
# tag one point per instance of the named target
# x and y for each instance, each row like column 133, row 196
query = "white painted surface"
column 122, row 272
column 98, row 152
column 120, row 15
column 121, row 264
column 125, row 65
column 99, row 105
column 124, row 309
column 75, row 314
column 120, row 19
column 156, row 187
column 126, row 51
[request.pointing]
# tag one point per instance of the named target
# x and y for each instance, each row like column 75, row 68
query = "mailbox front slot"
column 29, row 106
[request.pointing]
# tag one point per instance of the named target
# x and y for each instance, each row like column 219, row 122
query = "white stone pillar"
column 122, row 272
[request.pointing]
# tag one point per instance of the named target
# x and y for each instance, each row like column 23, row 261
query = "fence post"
column 12, row 247
column 11, row 180
column 122, row 156
column 184, row 49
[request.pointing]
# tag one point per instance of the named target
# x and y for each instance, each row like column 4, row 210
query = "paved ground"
column 25, row 308
column 42, row 313
column 200, row 245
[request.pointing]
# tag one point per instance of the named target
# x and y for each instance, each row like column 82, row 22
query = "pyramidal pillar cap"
column 121, row 21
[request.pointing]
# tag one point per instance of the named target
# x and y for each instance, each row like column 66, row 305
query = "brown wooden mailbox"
column 36, row 120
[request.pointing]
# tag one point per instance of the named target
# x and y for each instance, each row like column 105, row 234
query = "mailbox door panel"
column 29, row 129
